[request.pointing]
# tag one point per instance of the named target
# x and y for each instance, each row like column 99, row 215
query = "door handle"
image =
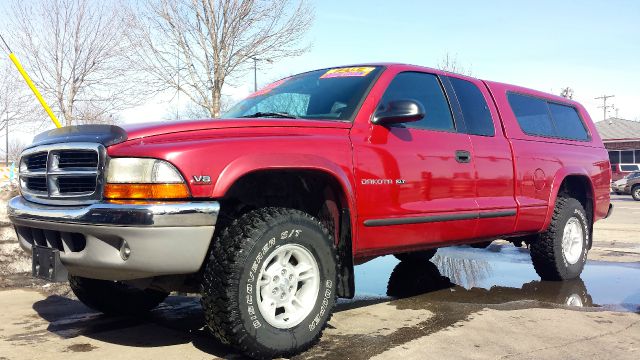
column 463, row 156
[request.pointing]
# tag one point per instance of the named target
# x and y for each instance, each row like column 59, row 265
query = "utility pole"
column 255, row 74
column 604, row 106
column 255, row 71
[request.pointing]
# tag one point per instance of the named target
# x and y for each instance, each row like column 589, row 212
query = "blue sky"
column 591, row 46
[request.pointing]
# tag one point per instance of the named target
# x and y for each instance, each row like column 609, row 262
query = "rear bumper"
column 161, row 238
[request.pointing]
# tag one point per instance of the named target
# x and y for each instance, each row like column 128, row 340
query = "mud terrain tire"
column 238, row 283
column 550, row 261
column 115, row 298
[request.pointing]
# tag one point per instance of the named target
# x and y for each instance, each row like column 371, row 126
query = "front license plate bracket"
column 46, row 264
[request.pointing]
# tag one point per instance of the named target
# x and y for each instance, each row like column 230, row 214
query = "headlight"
column 139, row 178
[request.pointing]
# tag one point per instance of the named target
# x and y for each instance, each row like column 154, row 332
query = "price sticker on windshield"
column 348, row 72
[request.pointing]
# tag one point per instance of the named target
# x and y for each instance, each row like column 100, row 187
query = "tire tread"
column 220, row 284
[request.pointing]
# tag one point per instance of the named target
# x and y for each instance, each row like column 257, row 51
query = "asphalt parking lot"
column 466, row 303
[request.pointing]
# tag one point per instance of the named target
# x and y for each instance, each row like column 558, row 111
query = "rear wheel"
column 113, row 297
column 269, row 284
column 424, row 255
column 635, row 193
column 561, row 252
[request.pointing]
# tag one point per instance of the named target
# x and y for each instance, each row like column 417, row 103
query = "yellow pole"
column 32, row 86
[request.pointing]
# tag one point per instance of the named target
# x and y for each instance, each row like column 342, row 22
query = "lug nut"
column 276, row 278
column 284, row 272
column 275, row 291
column 291, row 277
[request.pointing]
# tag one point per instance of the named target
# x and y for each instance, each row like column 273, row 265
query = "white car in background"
column 618, row 186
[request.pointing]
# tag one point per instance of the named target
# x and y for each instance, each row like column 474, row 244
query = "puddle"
column 496, row 275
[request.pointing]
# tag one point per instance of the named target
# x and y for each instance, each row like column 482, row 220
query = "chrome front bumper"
column 161, row 238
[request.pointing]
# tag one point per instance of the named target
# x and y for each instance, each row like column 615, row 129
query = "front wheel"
column 269, row 284
column 635, row 193
column 561, row 252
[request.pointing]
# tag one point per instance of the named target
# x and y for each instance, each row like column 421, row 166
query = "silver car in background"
column 618, row 186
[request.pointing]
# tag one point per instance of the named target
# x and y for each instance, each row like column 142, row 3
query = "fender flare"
column 251, row 163
column 559, row 177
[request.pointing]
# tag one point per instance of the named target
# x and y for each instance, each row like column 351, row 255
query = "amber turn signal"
column 146, row 191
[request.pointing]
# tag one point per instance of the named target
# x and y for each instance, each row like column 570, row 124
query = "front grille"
column 37, row 161
column 64, row 174
column 80, row 184
column 77, row 159
column 36, row 184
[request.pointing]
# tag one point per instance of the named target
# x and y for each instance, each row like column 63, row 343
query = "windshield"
column 329, row 94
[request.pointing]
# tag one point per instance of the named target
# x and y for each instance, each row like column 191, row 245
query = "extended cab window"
column 543, row 118
column 475, row 110
column 426, row 89
column 568, row 123
column 532, row 114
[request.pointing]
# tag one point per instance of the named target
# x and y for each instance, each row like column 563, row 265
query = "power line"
column 5, row 43
column 604, row 106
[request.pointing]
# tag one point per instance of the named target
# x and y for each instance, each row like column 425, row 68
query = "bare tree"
column 195, row 46
column 15, row 148
column 16, row 105
column 75, row 51
column 567, row 93
column 450, row 63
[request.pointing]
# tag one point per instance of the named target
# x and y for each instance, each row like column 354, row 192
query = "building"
column 622, row 139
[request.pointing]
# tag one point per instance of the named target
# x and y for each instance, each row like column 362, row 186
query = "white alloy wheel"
column 288, row 286
column 572, row 240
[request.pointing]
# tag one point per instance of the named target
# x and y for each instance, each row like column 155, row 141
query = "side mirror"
column 399, row 111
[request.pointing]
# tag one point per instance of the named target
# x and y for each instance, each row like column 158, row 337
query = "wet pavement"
column 498, row 274
column 397, row 303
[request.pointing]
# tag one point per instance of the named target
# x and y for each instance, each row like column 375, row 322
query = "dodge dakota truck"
column 266, row 211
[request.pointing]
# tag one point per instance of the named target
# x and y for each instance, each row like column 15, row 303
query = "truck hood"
column 137, row 131
column 112, row 134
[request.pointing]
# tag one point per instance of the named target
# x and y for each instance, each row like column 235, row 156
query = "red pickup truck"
column 266, row 212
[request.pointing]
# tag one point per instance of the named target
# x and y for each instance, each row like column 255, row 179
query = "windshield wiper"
column 271, row 114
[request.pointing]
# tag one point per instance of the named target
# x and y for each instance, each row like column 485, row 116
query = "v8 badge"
column 201, row 179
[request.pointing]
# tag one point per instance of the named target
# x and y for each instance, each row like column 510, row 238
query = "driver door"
column 415, row 181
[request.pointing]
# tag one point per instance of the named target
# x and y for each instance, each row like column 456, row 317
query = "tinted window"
column 626, row 156
column 475, row 111
column 426, row 89
column 629, row 167
column 614, row 157
column 637, row 156
column 568, row 123
column 532, row 114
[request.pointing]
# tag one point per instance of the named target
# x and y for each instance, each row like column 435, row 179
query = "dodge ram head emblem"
column 201, row 179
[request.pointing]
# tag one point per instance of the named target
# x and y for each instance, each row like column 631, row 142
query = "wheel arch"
column 326, row 192
column 576, row 183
